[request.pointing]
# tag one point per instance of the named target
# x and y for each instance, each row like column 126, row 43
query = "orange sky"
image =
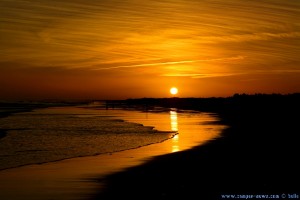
column 129, row 49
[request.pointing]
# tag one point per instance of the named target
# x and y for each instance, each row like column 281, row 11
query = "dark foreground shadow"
column 257, row 155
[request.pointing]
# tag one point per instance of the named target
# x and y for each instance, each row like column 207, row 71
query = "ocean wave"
column 51, row 135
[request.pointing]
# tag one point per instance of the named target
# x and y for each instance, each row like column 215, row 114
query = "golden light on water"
column 174, row 127
column 174, row 123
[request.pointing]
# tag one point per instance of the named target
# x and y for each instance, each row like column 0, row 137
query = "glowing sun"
column 173, row 90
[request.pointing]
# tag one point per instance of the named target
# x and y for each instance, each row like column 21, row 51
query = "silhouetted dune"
column 258, row 153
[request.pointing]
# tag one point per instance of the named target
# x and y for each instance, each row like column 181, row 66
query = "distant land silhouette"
column 235, row 103
column 257, row 155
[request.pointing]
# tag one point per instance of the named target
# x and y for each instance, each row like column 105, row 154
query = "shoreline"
column 72, row 178
column 168, row 134
column 256, row 154
column 96, row 155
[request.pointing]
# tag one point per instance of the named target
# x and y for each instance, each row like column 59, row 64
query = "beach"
column 149, row 99
column 77, row 178
column 253, row 155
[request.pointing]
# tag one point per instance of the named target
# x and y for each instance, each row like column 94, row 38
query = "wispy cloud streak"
column 173, row 63
column 213, row 75
column 248, row 37
column 203, row 75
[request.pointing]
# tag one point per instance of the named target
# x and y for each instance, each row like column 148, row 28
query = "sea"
column 56, row 133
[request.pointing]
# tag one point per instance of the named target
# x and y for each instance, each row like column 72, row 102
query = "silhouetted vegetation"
column 238, row 103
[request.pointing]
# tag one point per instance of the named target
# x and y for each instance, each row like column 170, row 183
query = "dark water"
column 57, row 133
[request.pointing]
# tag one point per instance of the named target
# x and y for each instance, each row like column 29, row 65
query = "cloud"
column 171, row 63
column 212, row 75
column 247, row 37
column 203, row 75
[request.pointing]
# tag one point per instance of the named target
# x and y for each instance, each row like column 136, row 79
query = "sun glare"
column 173, row 90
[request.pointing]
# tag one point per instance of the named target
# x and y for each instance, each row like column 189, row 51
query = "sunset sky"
column 118, row 49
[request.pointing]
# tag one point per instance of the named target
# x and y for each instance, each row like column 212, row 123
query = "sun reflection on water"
column 174, row 127
column 174, row 123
